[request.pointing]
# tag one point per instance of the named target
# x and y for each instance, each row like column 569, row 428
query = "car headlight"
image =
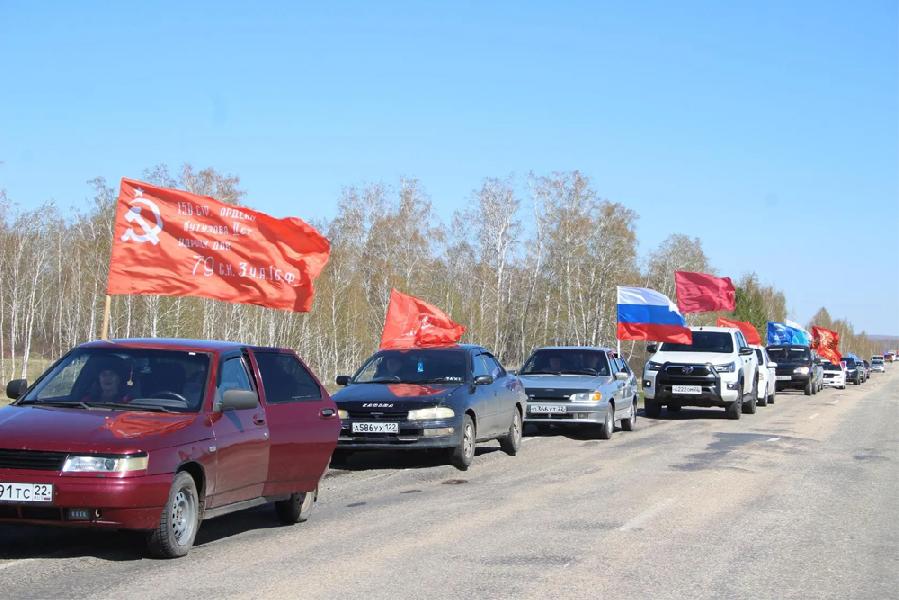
column 586, row 397
column 105, row 464
column 728, row 368
column 436, row 412
column 653, row 366
column 342, row 414
column 801, row 370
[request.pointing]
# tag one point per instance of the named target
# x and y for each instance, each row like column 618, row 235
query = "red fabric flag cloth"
column 749, row 331
column 413, row 323
column 698, row 292
column 175, row 243
column 827, row 343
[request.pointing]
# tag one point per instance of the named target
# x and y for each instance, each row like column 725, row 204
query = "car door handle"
column 258, row 420
column 326, row 413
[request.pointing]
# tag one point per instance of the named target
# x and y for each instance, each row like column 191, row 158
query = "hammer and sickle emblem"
column 150, row 231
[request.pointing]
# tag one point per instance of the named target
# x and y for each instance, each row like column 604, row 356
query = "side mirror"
column 772, row 365
column 15, row 388
column 238, row 400
column 483, row 380
column 512, row 371
column 621, row 376
column 343, row 380
column 652, row 348
column 745, row 351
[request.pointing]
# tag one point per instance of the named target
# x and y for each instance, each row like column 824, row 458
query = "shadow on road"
column 368, row 460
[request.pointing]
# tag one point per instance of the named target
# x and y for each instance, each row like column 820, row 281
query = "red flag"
column 698, row 292
column 749, row 331
column 413, row 323
column 175, row 243
column 827, row 343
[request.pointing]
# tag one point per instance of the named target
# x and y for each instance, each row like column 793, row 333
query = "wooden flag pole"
column 104, row 330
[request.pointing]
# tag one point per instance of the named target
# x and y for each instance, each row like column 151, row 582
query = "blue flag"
column 781, row 333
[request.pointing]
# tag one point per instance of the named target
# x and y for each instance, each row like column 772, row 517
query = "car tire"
column 751, row 406
column 297, row 508
column 808, row 388
column 629, row 423
column 607, row 429
column 771, row 397
column 673, row 407
column 734, row 410
column 179, row 521
column 652, row 409
column 762, row 400
column 462, row 455
column 511, row 442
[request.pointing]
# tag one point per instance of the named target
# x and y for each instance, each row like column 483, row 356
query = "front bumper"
column 718, row 389
column 838, row 381
column 574, row 412
column 796, row 381
column 133, row 502
column 413, row 435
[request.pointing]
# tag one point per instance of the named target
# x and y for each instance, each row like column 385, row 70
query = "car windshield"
column 829, row 366
column 704, row 341
column 431, row 365
column 124, row 379
column 572, row 361
column 877, row 361
column 850, row 362
column 787, row 354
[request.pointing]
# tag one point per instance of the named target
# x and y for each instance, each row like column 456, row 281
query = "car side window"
column 284, row 379
column 741, row 341
column 234, row 375
column 496, row 369
column 624, row 366
column 479, row 366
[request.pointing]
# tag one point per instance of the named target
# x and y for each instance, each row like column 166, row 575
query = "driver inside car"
column 110, row 386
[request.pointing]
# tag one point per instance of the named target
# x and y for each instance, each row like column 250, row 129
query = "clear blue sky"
column 770, row 130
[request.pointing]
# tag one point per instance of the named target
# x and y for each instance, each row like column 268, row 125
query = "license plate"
column 26, row 492
column 686, row 389
column 548, row 408
column 376, row 427
column 784, row 378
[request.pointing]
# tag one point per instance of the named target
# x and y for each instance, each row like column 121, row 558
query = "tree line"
column 519, row 270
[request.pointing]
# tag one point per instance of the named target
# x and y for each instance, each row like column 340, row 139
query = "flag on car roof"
column 700, row 292
column 826, row 342
column 781, row 333
column 805, row 334
column 749, row 331
column 413, row 323
column 174, row 243
column 645, row 314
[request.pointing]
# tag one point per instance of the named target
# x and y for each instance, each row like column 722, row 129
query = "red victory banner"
column 699, row 292
column 175, row 243
column 749, row 331
column 413, row 323
column 827, row 343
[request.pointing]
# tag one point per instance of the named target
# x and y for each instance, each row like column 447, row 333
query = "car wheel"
column 808, row 388
column 179, row 521
column 297, row 508
column 673, row 407
column 750, row 407
column 629, row 423
column 734, row 409
column 771, row 398
column 652, row 409
column 762, row 400
column 511, row 442
column 608, row 426
column 462, row 455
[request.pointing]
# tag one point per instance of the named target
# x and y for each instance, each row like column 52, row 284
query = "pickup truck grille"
column 687, row 370
column 32, row 459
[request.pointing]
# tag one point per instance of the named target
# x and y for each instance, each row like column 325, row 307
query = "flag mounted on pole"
column 174, row 243
column 826, row 342
column 699, row 292
column 413, row 323
column 781, row 333
column 749, row 331
column 645, row 314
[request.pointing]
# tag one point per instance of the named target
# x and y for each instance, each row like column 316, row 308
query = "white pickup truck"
column 717, row 369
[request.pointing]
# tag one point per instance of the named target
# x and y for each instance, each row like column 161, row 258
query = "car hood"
column 396, row 395
column 31, row 427
column 563, row 382
column 692, row 358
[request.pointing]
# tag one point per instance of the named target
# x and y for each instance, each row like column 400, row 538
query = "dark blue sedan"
column 424, row 398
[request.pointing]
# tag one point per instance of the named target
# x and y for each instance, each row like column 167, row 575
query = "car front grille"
column 552, row 395
column 378, row 415
column 688, row 370
column 32, row 460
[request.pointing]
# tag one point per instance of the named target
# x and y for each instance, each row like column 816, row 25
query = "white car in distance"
column 767, row 376
column 834, row 375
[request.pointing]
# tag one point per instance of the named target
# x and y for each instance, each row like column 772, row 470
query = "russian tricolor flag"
column 645, row 314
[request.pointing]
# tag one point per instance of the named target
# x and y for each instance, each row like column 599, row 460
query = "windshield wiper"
column 542, row 373
column 439, row 380
column 580, row 372
column 131, row 406
column 62, row 403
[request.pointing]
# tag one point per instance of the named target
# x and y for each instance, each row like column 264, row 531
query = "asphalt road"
column 798, row 501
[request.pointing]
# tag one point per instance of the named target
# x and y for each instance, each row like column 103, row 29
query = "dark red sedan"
column 157, row 435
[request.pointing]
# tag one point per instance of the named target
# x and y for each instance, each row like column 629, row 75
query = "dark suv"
column 854, row 370
column 798, row 367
